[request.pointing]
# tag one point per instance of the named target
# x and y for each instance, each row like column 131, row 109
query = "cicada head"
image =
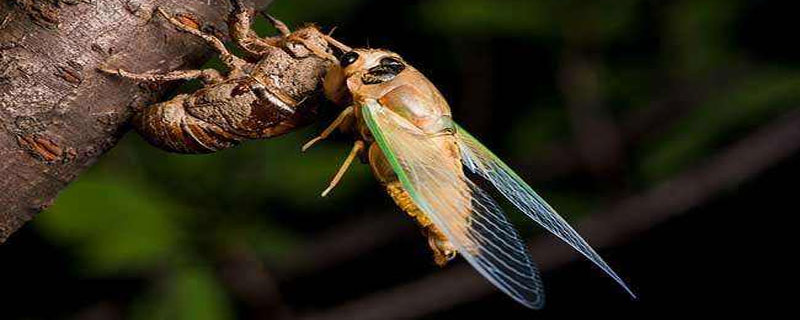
column 361, row 67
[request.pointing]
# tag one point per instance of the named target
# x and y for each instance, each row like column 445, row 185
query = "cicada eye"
column 348, row 58
column 391, row 62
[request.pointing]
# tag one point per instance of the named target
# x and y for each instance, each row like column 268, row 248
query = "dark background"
column 596, row 103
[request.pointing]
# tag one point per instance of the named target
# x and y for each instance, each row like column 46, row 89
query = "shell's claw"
column 282, row 28
column 110, row 71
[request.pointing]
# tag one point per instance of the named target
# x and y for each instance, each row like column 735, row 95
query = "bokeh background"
column 667, row 131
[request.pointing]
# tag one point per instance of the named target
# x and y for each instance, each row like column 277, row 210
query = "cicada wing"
column 479, row 160
column 470, row 219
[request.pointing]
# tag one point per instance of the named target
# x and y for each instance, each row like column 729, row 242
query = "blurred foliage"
column 187, row 293
column 743, row 104
column 595, row 20
column 166, row 218
column 699, row 35
column 124, row 228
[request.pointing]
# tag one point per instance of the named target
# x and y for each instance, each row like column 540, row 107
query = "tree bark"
column 57, row 113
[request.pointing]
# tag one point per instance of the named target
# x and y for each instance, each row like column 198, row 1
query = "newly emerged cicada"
column 404, row 128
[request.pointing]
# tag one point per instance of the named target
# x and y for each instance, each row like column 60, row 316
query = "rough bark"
column 57, row 113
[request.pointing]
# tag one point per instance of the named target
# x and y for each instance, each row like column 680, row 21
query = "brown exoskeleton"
column 403, row 127
column 250, row 102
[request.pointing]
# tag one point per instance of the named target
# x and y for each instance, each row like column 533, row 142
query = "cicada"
column 429, row 165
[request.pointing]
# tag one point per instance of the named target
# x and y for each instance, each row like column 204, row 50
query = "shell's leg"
column 346, row 114
column 208, row 76
column 244, row 37
column 443, row 250
column 288, row 36
column 279, row 25
column 233, row 62
column 239, row 24
column 256, row 47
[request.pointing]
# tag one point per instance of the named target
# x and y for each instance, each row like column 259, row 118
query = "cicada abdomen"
column 215, row 117
column 169, row 126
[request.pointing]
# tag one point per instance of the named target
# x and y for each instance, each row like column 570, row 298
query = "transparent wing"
column 470, row 219
column 479, row 160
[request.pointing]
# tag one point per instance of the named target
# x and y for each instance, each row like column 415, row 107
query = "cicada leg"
column 443, row 250
column 346, row 113
column 358, row 146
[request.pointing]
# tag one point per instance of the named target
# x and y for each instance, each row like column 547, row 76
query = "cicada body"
column 405, row 127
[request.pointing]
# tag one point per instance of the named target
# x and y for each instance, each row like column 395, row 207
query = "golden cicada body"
column 404, row 127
